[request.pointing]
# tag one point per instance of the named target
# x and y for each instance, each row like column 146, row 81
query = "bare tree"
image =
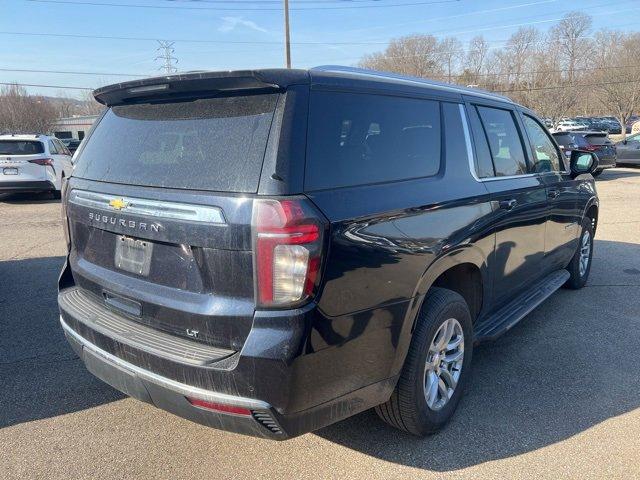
column 451, row 52
column 568, row 37
column 475, row 58
column 90, row 105
column 416, row 55
column 620, row 93
column 23, row 113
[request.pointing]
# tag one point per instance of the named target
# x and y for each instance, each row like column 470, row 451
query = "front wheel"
column 436, row 368
column 580, row 265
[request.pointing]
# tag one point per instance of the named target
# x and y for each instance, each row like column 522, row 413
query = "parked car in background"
column 312, row 243
column 33, row 163
column 571, row 126
column 629, row 150
column 629, row 125
column 596, row 142
column 613, row 125
column 71, row 143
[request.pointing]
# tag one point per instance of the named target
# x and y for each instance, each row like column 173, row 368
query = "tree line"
column 566, row 71
column 24, row 113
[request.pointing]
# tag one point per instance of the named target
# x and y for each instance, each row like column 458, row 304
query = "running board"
column 504, row 319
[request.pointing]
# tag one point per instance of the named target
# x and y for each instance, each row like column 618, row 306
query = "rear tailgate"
column 16, row 158
column 601, row 144
column 160, row 211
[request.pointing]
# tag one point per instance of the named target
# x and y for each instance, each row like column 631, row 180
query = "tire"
column 597, row 173
column 408, row 407
column 57, row 194
column 578, row 276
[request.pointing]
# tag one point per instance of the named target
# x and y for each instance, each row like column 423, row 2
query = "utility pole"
column 287, row 40
column 166, row 55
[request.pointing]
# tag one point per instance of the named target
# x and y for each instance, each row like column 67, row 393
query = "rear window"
column 359, row 139
column 563, row 139
column 20, row 147
column 208, row 144
column 597, row 139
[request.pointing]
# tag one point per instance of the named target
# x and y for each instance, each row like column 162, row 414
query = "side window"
column 504, row 141
column 358, row 139
column 61, row 148
column 545, row 154
column 484, row 163
column 52, row 148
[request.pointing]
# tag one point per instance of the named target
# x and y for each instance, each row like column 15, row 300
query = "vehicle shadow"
column 27, row 198
column 40, row 376
column 617, row 173
column 556, row 374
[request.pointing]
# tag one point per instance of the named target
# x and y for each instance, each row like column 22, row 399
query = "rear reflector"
column 219, row 407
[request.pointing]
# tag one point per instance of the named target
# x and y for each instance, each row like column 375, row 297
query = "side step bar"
column 504, row 319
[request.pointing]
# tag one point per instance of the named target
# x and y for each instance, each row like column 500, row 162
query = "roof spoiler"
column 190, row 84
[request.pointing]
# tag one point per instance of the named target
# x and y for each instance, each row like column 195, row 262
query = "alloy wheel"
column 443, row 364
column 585, row 253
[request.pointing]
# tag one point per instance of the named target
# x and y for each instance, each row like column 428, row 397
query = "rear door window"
column 215, row 144
column 504, row 141
column 20, row 147
column 359, row 139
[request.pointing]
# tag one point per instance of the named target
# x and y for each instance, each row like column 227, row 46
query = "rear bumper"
column 285, row 377
column 26, row 186
column 606, row 162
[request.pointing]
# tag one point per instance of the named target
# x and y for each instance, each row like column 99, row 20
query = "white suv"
column 33, row 163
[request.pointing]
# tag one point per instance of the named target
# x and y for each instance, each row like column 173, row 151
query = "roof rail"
column 365, row 73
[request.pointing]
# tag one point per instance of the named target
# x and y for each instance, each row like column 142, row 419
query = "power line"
column 181, row 40
column 559, row 87
column 60, row 87
column 258, row 9
column 72, row 72
column 500, row 74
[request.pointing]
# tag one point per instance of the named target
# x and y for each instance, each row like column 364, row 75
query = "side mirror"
column 582, row 162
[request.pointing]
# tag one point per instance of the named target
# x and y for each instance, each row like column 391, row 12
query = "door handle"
column 554, row 193
column 508, row 204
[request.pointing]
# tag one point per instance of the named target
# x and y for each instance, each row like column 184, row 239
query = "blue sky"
column 208, row 34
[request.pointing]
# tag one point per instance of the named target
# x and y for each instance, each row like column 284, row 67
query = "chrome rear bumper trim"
column 181, row 388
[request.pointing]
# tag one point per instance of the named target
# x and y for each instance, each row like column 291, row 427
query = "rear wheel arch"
column 463, row 272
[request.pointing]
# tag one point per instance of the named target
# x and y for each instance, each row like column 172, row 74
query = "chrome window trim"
column 471, row 158
column 168, row 383
column 152, row 208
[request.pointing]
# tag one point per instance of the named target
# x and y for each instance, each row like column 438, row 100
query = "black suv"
column 271, row 251
column 596, row 142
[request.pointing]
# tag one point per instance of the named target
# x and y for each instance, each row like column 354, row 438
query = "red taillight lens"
column 219, row 407
column 42, row 161
column 288, row 250
column 591, row 148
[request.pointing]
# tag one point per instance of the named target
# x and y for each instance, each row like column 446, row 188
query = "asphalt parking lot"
column 557, row 397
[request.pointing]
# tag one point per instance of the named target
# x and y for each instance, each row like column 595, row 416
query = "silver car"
column 629, row 150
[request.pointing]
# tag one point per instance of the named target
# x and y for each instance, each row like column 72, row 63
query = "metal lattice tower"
column 166, row 56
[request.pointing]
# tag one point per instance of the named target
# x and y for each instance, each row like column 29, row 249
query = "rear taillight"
column 45, row 162
column 288, row 238
column 65, row 220
column 592, row 148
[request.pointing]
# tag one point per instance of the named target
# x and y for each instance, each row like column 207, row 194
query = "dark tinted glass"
column 484, row 164
column 209, row 144
column 357, row 139
column 563, row 139
column 597, row 140
column 18, row 147
column 504, row 141
column 546, row 155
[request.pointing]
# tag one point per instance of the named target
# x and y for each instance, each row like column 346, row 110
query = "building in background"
column 73, row 127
